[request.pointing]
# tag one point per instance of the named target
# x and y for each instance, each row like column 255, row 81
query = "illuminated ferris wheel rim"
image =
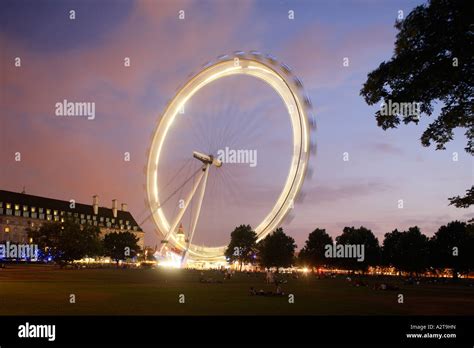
column 279, row 77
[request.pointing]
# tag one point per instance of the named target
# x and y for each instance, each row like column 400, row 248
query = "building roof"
column 56, row 204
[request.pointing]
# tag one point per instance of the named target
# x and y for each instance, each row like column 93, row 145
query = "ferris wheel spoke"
column 195, row 216
column 179, row 216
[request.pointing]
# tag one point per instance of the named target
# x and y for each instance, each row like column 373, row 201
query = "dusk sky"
column 82, row 60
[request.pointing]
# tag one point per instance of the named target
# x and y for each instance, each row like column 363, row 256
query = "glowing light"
column 297, row 170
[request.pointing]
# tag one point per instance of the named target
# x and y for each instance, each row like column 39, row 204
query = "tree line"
column 452, row 246
column 64, row 242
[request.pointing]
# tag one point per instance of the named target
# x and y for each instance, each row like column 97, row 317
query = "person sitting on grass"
column 261, row 292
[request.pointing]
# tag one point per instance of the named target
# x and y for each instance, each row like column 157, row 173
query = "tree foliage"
column 361, row 235
column 452, row 246
column 413, row 251
column 276, row 250
column 120, row 245
column 432, row 62
column 312, row 253
column 242, row 246
column 67, row 241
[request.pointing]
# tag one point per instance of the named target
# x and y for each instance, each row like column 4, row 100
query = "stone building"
column 18, row 211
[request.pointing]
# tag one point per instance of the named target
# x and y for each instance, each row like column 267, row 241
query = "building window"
column 9, row 206
column 48, row 217
column 48, row 211
column 82, row 216
column 1, row 204
column 7, row 229
column 40, row 210
column 17, row 213
column 62, row 219
column 55, row 213
column 88, row 217
column 41, row 216
column 25, row 208
column 101, row 219
column 34, row 215
column 26, row 214
column 17, row 207
column 33, row 209
column 62, row 213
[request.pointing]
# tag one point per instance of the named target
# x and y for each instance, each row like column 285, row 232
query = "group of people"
column 261, row 292
column 270, row 278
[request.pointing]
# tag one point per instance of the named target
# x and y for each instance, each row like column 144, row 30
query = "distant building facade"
column 20, row 211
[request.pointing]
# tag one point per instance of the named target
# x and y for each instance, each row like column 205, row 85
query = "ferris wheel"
column 280, row 81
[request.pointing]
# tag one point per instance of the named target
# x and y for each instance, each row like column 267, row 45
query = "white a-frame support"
column 204, row 174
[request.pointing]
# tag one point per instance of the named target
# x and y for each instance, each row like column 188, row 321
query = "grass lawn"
column 45, row 290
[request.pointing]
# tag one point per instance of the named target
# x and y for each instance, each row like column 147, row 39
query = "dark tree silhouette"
column 463, row 202
column 276, row 250
column 67, row 241
column 242, row 246
column 412, row 252
column 452, row 246
column 312, row 253
column 432, row 62
column 120, row 245
column 361, row 235
column 391, row 248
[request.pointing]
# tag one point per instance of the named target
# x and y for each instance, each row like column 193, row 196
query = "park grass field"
column 45, row 290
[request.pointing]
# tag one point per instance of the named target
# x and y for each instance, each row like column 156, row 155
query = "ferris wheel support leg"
column 183, row 210
column 196, row 215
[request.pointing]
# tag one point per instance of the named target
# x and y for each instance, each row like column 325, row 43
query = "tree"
column 412, row 251
column 391, row 248
column 452, row 246
column 432, row 62
column 120, row 245
column 463, row 202
column 276, row 250
column 360, row 236
column 312, row 253
column 66, row 241
column 242, row 246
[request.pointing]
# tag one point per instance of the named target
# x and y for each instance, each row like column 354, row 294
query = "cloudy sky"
column 83, row 60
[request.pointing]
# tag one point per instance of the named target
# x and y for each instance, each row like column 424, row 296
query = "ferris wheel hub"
column 207, row 159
